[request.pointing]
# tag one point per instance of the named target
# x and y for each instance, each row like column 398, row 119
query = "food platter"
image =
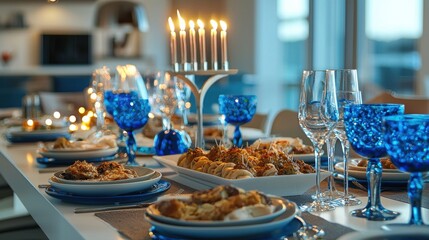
column 278, row 203
column 231, row 231
column 142, row 174
column 282, row 185
column 108, row 189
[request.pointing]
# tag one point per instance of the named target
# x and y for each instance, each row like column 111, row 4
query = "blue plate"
column 281, row 233
column 36, row 137
column 57, row 162
column 138, row 196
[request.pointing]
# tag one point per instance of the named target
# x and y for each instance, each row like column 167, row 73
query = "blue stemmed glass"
column 406, row 139
column 130, row 105
column 238, row 110
column 363, row 124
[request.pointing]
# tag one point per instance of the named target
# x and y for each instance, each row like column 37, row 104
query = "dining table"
column 58, row 220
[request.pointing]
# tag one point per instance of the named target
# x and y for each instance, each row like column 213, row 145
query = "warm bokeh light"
column 73, row 127
column 191, row 24
column 72, row 118
column 30, row 122
column 93, row 96
column 151, row 115
column 82, row 110
column 90, row 90
column 57, row 115
column 30, row 159
column 48, row 122
column 188, row 105
column 90, row 114
column 86, row 119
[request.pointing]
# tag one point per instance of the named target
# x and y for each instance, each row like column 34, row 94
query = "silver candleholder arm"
column 200, row 94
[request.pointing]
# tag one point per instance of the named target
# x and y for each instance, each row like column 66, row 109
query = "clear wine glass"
column 347, row 90
column 238, row 110
column 100, row 77
column 317, row 115
column 363, row 125
column 130, row 105
column 407, row 143
column 168, row 141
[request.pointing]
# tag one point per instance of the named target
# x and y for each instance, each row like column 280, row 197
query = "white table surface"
column 19, row 167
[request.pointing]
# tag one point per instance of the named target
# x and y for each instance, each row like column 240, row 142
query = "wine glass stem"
column 331, row 161
column 166, row 121
column 238, row 141
column 131, row 142
column 345, row 145
column 415, row 188
column 100, row 118
column 373, row 175
column 318, row 155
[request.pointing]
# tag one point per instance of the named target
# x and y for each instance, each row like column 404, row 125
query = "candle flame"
column 170, row 22
column 191, row 24
column 200, row 24
column 214, row 24
column 182, row 22
column 223, row 25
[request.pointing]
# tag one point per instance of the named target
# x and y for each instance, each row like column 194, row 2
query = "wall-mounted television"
column 66, row 49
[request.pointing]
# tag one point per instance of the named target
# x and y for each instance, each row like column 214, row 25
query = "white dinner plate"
column 142, row 174
column 282, row 185
column 108, row 189
column 278, row 203
column 204, row 232
column 18, row 132
column 386, row 176
column 67, row 155
column 353, row 165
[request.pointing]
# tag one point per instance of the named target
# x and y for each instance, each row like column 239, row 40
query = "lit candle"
column 193, row 45
column 223, row 45
column 173, row 48
column 182, row 33
column 213, row 35
column 202, row 42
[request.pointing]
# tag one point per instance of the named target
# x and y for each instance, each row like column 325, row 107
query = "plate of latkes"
column 272, row 172
column 107, row 179
column 224, row 211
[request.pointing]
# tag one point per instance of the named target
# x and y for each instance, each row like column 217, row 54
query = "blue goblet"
column 238, row 110
column 406, row 139
column 363, row 124
column 130, row 105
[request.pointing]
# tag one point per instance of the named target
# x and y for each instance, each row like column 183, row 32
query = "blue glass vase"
column 170, row 141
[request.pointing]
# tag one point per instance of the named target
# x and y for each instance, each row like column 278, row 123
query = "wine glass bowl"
column 407, row 143
column 363, row 124
column 238, row 110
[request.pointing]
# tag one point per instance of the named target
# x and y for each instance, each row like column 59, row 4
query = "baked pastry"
column 106, row 171
column 213, row 205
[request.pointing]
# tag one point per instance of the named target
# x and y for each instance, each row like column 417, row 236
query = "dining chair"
column 413, row 104
column 259, row 121
column 285, row 124
column 67, row 103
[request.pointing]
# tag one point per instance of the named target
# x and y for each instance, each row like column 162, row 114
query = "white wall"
column 79, row 16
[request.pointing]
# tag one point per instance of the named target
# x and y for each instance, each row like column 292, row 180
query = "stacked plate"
column 280, row 223
column 389, row 176
column 17, row 135
column 69, row 156
column 148, row 184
